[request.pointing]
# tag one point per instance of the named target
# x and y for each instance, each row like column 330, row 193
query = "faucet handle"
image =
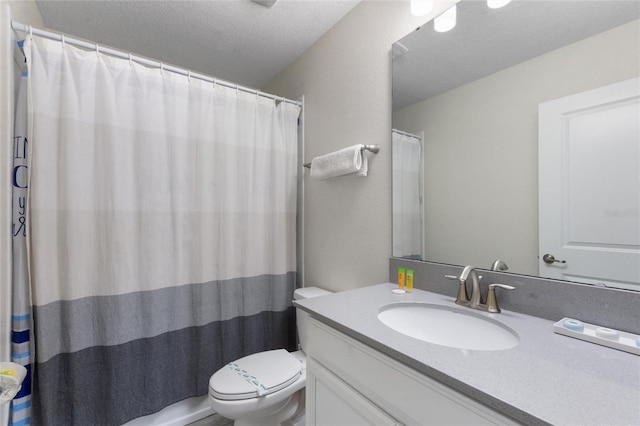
column 506, row 287
column 455, row 277
column 492, row 300
column 462, row 298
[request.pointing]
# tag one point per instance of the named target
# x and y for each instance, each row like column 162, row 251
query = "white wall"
column 10, row 66
column 481, row 156
column 346, row 80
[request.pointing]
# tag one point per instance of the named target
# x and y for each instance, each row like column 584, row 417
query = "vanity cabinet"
column 351, row 383
column 337, row 403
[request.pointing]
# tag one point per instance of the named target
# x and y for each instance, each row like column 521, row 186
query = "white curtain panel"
column 21, row 342
column 157, row 204
column 134, row 170
column 407, row 194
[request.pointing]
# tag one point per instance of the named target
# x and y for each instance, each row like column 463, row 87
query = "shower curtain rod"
column 17, row 26
column 411, row 135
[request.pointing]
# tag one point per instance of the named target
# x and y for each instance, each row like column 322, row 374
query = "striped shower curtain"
column 21, row 350
column 162, row 230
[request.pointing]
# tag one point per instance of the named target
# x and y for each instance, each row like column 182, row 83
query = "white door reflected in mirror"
column 589, row 168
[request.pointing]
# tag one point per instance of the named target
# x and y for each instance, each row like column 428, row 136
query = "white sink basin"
column 448, row 326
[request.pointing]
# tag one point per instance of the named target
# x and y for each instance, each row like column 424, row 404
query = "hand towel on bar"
column 345, row 162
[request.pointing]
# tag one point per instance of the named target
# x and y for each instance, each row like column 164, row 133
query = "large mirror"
column 469, row 105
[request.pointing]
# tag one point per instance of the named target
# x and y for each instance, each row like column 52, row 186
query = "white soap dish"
column 604, row 336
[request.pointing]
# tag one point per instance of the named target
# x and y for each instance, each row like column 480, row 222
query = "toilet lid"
column 255, row 375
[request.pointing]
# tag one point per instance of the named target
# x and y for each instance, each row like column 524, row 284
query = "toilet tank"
column 302, row 316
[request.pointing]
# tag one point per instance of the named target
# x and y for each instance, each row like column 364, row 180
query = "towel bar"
column 372, row 148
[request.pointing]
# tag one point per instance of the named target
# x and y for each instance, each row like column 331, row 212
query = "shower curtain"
column 162, row 215
column 407, row 195
column 21, row 350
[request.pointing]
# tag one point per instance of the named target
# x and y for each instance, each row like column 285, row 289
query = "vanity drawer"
column 405, row 394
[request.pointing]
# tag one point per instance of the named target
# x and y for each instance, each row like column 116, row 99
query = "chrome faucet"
column 476, row 293
column 475, row 301
column 499, row 265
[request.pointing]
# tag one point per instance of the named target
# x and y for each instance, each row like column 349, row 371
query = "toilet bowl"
column 265, row 388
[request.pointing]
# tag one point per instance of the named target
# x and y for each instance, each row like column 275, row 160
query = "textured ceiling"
column 235, row 40
column 485, row 41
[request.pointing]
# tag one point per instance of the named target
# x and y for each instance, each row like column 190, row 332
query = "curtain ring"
column 130, row 59
column 214, row 83
column 237, row 90
column 189, row 76
column 97, row 50
column 161, row 68
column 63, row 42
column 31, row 32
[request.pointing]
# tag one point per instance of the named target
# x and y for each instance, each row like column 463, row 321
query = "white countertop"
column 547, row 378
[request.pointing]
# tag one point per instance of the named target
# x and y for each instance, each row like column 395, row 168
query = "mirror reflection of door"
column 589, row 186
column 407, row 178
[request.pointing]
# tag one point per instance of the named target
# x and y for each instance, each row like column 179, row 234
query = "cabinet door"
column 331, row 402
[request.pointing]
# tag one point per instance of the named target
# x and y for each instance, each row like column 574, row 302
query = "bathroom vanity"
column 350, row 383
column 360, row 371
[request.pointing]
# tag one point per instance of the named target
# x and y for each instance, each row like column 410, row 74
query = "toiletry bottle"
column 401, row 276
column 409, row 280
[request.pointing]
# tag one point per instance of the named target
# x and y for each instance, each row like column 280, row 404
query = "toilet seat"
column 255, row 375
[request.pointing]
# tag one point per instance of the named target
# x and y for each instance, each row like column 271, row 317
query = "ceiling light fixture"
column 421, row 7
column 496, row 4
column 446, row 21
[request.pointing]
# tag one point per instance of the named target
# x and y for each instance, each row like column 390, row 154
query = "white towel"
column 345, row 162
column 11, row 377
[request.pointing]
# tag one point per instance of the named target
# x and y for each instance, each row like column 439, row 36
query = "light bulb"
column 446, row 21
column 421, row 7
column 496, row 4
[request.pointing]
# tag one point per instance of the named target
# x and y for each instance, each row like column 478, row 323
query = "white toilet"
column 265, row 388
